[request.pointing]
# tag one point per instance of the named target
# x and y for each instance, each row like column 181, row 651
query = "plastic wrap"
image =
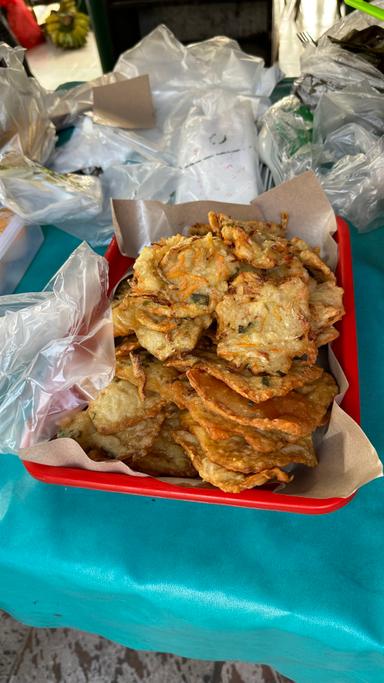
column 60, row 350
column 140, row 181
column 23, row 108
column 39, row 195
column 348, row 160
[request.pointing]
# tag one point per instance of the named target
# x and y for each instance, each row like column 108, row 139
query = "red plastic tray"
column 345, row 348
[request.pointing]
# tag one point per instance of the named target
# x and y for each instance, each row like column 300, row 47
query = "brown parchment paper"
column 124, row 104
column 347, row 459
column 111, row 100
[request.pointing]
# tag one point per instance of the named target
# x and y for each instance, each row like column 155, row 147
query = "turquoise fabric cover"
column 303, row 594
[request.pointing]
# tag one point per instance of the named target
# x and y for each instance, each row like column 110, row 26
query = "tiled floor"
column 31, row 655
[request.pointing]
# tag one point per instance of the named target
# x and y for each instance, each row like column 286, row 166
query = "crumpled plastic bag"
column 39, row 195
column 59, row 350
column 23, row 108
column 348, row 160
column 348, row 140
column 363, row 107
column 91, row 146
column 215, row 63
column 186, row 74
column 355, row 187
column 328, row 67
column 285, row 138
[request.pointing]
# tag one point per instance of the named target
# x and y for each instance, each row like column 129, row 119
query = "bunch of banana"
column 67, row 28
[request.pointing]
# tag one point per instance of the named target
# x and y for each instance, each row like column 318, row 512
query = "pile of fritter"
column 217, row 337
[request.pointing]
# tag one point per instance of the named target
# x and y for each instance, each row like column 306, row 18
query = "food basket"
column 345, row 348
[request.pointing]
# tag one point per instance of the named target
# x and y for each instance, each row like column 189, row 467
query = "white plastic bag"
column 218, row 156
column 59, row 350
column 22, row 107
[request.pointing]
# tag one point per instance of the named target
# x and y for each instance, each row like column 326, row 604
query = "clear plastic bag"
column 215, row 63
column 355, row 187
column 363, row 107
column 355, row 20
column 60, row 350
column 39, row 195
column 183, row 76
column 347, row 140
column 92, row 145
column 22, row 108
column 285, row 138
column 328, row 67
column 140, row 181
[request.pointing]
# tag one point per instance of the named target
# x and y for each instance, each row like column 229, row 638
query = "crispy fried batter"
column 156, row 374
column 190, row 272
column 326, row 336
column 215, row 373
column 181, row 339
column 259, row 253
column 267, row 228
column 226, row 480
column 217, row 426
column 234, row 453
column 138, row 374
column 166, row 458
column 122, row 319
column 326, row 307
column 264, row 326
column 255, row 242
column 126, row 345
column 133, row 441
column 118, row 406
column 255, row 387
column 311, row 260
column 298, row 412
column 199, row 229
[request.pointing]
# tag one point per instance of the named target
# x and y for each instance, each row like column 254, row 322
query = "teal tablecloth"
column 304, row 594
